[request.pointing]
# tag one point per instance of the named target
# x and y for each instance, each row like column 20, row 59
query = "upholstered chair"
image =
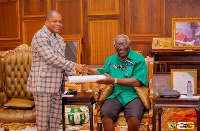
column 3, row 98
column 16, row 104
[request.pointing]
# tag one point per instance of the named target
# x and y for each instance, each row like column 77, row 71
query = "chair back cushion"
column 143, row 93
column 107, row 90
column 17, row 103
column 17, row 66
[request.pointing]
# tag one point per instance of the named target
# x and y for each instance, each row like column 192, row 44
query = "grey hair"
column 123, row 35
column 49, row 14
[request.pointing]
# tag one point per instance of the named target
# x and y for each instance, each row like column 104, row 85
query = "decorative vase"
column 76, row 114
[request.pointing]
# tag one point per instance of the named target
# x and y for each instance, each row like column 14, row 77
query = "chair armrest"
column 96, row 95
column 101, row 95
column 151, row 97
column 3, row 99
column 151, row 92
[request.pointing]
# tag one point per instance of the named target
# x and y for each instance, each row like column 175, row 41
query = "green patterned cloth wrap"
column 76, row 114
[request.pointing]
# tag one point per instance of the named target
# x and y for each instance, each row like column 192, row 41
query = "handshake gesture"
column 82, row 68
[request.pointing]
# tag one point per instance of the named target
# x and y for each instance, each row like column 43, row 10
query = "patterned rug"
column 182, row 117
column 18, row 127
column 172, row 115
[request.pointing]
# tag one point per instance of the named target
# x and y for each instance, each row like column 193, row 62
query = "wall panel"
column 35, row 8
column 144, row 48
column 29, row 28
column 103, row 7
column 144, row 19
column 103, row 33
column 10, row 21
column 104, row 20
column 72, row 13
column 4, row 45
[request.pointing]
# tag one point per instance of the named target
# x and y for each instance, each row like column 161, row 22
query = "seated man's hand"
column 107, row 80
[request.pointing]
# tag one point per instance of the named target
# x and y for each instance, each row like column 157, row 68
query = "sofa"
column 16, row 104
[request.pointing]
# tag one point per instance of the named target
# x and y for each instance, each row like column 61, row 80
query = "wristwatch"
column 115, row 82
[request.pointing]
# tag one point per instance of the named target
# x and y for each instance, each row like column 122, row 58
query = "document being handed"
column 84, row 79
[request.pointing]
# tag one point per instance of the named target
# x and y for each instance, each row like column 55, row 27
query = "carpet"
column 169, row 115
column 18, row 127
column 175, row 115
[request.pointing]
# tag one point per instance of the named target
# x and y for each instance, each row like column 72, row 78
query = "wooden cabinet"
column 165, row 60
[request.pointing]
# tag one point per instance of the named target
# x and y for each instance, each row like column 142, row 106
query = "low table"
column 82, row 98
column 181, row 102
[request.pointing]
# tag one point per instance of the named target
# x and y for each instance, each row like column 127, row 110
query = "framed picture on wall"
column 186, row 33
column 161, row 43
column 180, row 78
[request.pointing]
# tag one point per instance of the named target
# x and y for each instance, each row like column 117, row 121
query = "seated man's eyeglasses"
column 117, row 46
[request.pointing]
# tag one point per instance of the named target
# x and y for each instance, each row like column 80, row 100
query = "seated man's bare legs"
column 110, row 113
column 133, row 124
column 108, row 124
column 133, row 113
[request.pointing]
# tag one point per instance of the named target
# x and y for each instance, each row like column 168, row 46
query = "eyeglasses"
column 117, row 46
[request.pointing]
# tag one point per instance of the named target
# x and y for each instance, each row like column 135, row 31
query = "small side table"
column 181, row 102
column 82, row 98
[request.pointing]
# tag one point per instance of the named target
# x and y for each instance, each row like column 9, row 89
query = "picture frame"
column 161, row 43
column 73, row 49
column 186, row 34
column 180, row 77
column 161, row 81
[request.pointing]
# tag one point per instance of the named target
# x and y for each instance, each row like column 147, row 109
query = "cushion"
column 16, row 103
column 106, row 91
column 143, row 94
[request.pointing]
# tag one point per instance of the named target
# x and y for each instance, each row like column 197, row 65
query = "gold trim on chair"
column 22, row 47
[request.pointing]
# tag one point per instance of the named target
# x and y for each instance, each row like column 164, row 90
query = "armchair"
column 16, row 104
column 2, row 94
column 147, row 117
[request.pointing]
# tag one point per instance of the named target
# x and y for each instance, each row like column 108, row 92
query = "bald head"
column 50, row 13
column 53, row 21
column 122, row 46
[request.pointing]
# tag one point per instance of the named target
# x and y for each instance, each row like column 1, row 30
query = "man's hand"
column 82, row 69
column 107, row 80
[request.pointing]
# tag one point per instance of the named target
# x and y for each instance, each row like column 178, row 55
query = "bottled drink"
column 189, row 89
